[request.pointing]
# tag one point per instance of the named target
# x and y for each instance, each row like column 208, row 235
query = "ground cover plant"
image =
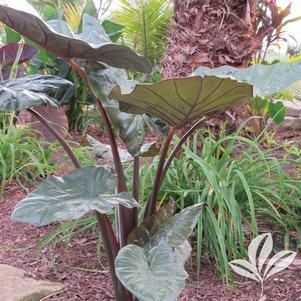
column 246, row 189
column 147, row 260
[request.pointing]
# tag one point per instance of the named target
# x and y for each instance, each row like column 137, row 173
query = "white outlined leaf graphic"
column 246, row 269
column 279, row 262
column 266, row 249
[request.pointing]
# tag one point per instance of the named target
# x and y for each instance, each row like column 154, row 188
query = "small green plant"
column 146, row 260
column 23, row 158
column 242, row 185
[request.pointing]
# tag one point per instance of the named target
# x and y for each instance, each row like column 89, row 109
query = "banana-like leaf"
column 91, row 44
column 72, row 196
column 153, row 276
column 266, row 79
column 26, row 92
column 129, row 127
column 179, row 101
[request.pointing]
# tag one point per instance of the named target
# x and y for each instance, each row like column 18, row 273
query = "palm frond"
column 146, row 23
column 73, row 13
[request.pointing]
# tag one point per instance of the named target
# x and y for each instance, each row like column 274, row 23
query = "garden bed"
column 77, row 266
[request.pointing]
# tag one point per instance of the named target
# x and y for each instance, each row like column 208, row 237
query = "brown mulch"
column 77, row 266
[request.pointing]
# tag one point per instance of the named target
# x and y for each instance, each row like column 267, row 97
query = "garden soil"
column 86, row 277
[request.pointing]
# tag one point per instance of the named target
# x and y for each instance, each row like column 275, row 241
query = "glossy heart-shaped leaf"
column 72, row 196
column 176, row 231
column 156, row 275
column 91, row 44
column 29, row 91
column 266, row 79
column 142, row 234
column 179, row 101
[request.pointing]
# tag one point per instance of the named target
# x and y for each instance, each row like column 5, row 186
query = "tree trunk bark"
column 210, row 33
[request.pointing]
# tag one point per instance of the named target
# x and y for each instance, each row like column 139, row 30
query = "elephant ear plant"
column 146, row 260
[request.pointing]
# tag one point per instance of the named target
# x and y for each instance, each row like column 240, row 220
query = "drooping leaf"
column 26, row 92
column 179, row 101
column 266, row 79
column 129, row 127
column 8, row 54
column 149, row 226
column 92, row 44
column 153, row 276
column 72, row 196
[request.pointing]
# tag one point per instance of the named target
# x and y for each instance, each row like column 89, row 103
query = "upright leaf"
column 92, row 44
column 72, row 196
column 142, row 234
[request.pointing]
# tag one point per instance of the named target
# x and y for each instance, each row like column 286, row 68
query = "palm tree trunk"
column 210, row 33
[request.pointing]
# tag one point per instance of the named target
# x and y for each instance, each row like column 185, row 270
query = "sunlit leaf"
column 266, row 79
column 179, row 101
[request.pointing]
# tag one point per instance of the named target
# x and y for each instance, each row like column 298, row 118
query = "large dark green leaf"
column 266, row 79
column 72, row 196
column 152, row 265
column 162, row 226
column 92, row 44
column 179, row 101
column 153, row 276
column 26, row 92
column 129, row 127
column 142, row 234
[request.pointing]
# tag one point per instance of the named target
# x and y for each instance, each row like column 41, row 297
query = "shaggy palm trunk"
column 210, row 33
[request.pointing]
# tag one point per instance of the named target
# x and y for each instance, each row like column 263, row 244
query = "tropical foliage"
column 146, row 23
column 146, row 259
